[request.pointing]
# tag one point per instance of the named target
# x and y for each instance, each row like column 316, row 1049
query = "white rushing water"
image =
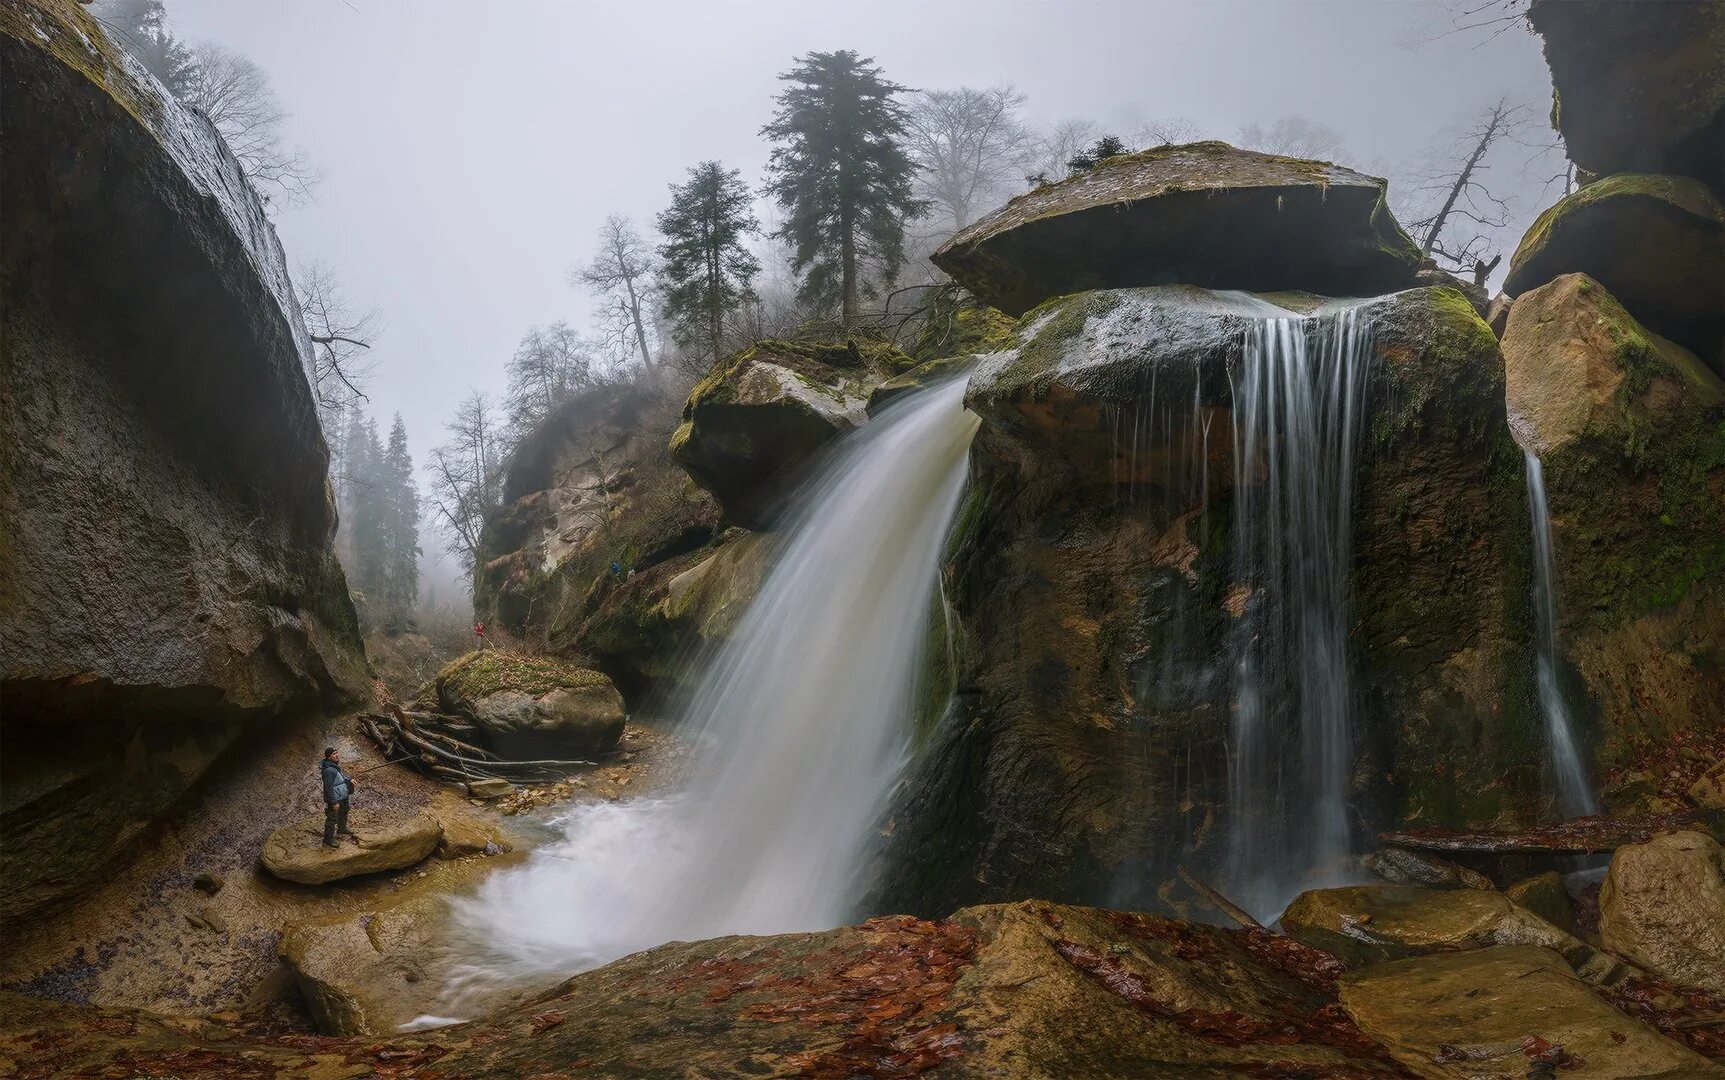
column 1298, row 412
column 802, row 723
column 1575, row 795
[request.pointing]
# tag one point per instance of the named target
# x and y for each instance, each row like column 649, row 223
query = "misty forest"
column 945, row 539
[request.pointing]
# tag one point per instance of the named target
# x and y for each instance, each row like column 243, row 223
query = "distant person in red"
column 479, row 632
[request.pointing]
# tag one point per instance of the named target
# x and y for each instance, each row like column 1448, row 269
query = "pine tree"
column 843, row 175
column 1101, row 150
column 706, row 268
column 141, row 28
column 400, row 526
column 368, row 519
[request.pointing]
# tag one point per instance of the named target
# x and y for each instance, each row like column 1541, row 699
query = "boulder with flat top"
column 533, row 708
column 381, row 842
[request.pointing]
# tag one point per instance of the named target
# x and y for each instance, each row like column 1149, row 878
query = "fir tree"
column 843, row 175
column 400, row 526
column 707, row 270
column 1101, row 150
column 368, row 518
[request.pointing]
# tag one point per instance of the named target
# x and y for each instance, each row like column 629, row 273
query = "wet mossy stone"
column 533, row 707
column 1657, row 242
column 1637, row 86
column 1205, row 214
column 758, row 418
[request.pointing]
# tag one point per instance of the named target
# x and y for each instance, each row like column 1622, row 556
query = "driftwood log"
column 1578, row 836
column 433, row 744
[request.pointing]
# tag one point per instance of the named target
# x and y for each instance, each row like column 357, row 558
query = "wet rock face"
column 1630, row 431
column 1093, row 571
column 1636, row 87
column 1656, row 242
column 167, row 568
column 1663, row 906
column 1203, row 214
column 752, row 425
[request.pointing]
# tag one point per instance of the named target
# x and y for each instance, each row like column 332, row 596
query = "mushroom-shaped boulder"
column 533, row 707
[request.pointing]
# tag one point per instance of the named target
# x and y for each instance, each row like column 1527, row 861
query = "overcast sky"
column 470, row 150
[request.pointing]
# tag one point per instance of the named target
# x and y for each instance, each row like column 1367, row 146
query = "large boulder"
column 1491, row 1013
column 170, row 586
column 1630, row 432
column 1201, row 214
column 1093, row 572
column 385, row 841
column 1366, row 924
column 1656, row 242
column 1636, row 86
column 755, row 422
column 1663, row 906
column 533, row 707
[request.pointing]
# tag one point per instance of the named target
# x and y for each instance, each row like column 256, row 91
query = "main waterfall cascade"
column 1575, row 795
column 1298, row 407
column 802, row 722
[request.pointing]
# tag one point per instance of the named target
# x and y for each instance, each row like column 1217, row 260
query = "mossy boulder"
column 752, row 426
column 1203, row 214
column 1637, row 87
column 533, row 707
column 1630, row 432
column 1656, row 242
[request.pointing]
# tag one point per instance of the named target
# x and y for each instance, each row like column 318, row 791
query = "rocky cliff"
column 167, row 576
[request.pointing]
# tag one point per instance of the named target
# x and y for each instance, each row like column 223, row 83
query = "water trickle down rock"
column 167, row 567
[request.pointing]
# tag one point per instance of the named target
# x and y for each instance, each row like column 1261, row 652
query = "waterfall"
column 801, row 722
column 1575, row 795
column 1298, row 407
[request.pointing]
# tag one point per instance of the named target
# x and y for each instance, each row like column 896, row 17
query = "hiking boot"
column 331, row 844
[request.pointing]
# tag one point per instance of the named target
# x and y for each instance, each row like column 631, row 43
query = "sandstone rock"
column 490, row 789
column 1656, row 242
column 190, row 596
column 1201, row 214
column 1092, row 571
column 751, row 425
column 1635, row 87
column 1401, row 866
column 1365, row 924
column 704, row 602
column 368, row 972
column 1497, row 316
column 387, row 841
column 918, row 378
column 1545, row 896
column 1627, row 431
column 533, row 708
column 1663, row 906
column 1491, row 1012
column 463, row 836
column 1708, row 790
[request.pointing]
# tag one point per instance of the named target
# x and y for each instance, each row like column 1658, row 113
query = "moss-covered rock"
column 1637, row 87
column 1657, row 242
column 532, row 707
column 1095, row 583
column 1630, row 431
column 1203, row 214
column 751, row 426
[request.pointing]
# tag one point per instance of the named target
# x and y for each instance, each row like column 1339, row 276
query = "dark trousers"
column 334, row 820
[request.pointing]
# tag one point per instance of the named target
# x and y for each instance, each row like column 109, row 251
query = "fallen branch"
column 1217, row 900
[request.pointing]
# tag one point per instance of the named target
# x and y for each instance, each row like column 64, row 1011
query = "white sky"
column 470, row 150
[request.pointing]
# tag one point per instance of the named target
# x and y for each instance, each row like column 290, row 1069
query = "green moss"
column 1057, row 324
column 1437, row 354
column 488, row 671
column 1681, row 193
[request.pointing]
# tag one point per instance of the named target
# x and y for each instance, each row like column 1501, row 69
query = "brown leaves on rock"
column 1302, row 963
column 545, row 1021
column 887, row 993
column 1577, row 836
column 1685, row 1014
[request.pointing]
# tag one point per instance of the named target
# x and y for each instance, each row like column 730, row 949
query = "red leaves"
column 1685, row 1014
column 1573, row 837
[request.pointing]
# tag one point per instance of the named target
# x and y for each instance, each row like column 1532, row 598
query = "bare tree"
column 620, row 275
column 969, row 145
column 549, row 365
column 1461, row 212
column 1052, row 149
column 1294, row 136
column 235, row 93
column 1166, row 130
column 466, row 480
column 341, row 337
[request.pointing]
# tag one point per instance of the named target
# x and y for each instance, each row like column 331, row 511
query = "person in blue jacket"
column 337, row 786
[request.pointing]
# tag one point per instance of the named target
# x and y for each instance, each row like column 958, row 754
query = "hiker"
column 337, row 786
column 479, row 632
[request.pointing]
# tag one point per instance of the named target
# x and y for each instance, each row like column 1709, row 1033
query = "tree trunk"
column 848, row 267
column 640, row 332
column 1485, row 140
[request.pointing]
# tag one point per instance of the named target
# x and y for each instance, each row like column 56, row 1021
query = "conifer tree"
column 368, row 517
column 842, row 173
column 400, row 525
column 707, row 271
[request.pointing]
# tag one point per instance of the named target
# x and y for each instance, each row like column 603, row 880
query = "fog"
column 469, row 152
